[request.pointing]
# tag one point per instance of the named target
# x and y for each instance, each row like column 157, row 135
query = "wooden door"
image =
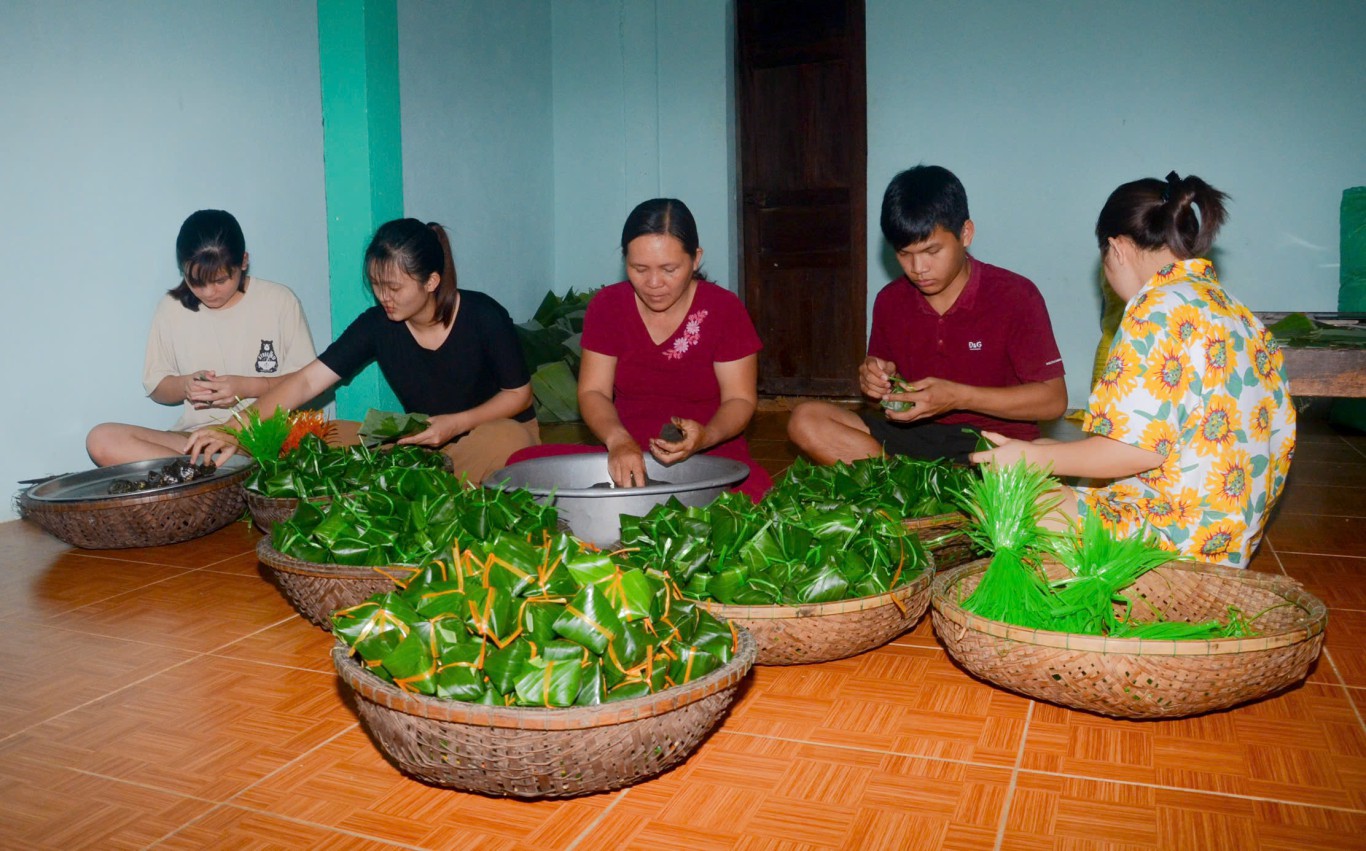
column 803, row 175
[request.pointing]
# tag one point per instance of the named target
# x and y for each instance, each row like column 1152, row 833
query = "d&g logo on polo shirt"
column 974, row 345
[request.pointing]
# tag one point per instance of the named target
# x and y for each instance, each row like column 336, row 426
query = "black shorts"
column 921, row 440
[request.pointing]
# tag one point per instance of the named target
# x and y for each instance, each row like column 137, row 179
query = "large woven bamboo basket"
column 1143, row 678
column 317, row 590
column 820, row 632
column 165, row 516
column 527, row 752
column 945, row 536
column 266, row 511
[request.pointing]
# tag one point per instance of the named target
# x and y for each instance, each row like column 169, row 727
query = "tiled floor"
column 171, row 698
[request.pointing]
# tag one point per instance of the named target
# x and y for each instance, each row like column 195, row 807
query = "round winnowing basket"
column 166, row 516
column 1144, row 678
column 945, row 536
column 266, row 511
column 528, row 752
column 317, row 590
column 820, row 632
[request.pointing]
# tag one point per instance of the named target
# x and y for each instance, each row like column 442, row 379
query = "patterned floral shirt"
column 1192, row 375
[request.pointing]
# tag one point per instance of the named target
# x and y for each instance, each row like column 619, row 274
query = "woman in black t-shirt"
column 448, row 353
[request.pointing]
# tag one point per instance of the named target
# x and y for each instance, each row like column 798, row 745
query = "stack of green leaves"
column 774, row 553
column 387, row 426
column 555, row 624
column 1005, row 509
column 316, row 469
column 550, row 345
column 897, row 485
column 406, row 516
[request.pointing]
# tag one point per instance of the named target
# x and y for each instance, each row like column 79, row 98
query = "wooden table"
column 1337, row 371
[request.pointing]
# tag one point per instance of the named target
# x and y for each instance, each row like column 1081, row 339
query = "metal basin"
column 594, row 513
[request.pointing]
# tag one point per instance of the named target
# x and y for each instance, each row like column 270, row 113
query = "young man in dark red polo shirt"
column 972, row 339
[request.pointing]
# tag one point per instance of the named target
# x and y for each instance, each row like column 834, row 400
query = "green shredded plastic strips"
column 1005, row 508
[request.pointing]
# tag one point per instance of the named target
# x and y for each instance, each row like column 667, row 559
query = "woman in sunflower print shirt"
column 1192, row 425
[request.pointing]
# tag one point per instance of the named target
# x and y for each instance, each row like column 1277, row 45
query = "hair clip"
column 1173, row 182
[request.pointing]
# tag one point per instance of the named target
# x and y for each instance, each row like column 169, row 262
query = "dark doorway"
column 801, row 107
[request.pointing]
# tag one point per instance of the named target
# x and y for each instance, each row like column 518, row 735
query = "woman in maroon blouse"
column 667, row 346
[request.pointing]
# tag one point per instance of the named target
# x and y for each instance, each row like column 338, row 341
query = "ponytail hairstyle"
column 1182, row 214
column 417, row 250
column 210, row 244
column 663, row 217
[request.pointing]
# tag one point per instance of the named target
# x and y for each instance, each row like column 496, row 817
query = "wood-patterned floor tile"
column 195, row 610
column 824, row 797
column 349, row 786
column 233, row 539
column 42, row 589
column 1304, row 746
column 1339, row 581
column 229, row 827
column 48, row 671
column 1053, row 812
column 1312, row 498
column 207, row 728
column 1345, row 640
column 46, row 807
column 1305, row 533
column 293, row 643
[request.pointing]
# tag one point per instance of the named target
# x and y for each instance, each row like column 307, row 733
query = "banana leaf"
column 692, row 663
column 412, row 665
column 374, row 628
column 538, row 619
column 459, row 676
column 555, row 391
column 382, row 426
column 626, row 652
column 593, row 690
column 545, row 682
column 632, row 594
column 504, row 665
column 590, row 620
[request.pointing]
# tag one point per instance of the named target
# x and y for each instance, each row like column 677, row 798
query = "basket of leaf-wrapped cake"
column 813, row 582
column 296, row 463
column 927, row 493
column 1110, row 624
column 332, row 555
column 537, row 669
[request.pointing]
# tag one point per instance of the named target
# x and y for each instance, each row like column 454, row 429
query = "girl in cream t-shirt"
column 219, row 337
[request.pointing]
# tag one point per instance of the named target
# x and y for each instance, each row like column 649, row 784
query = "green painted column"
column 362, row 163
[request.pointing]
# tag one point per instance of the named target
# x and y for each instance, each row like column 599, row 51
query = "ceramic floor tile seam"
column 285, row 766
column 126, row 686
column 1014, row 780
column 102, row 554
column 329, row 829
column 1164, row 787
column 587, row 833
column 880, row 751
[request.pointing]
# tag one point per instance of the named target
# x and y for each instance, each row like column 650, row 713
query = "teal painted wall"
column 1043, row 108
column 120, row 119
column 363, row 165
column 642, row 109
column 478, row 142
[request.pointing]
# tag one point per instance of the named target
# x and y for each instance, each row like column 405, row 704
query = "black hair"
column 419, row 250
column 210, row 243
column 662, row 217
column 1182, row 214
column 920, row 199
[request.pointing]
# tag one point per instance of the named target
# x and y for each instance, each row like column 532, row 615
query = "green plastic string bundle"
column 1004, row 508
